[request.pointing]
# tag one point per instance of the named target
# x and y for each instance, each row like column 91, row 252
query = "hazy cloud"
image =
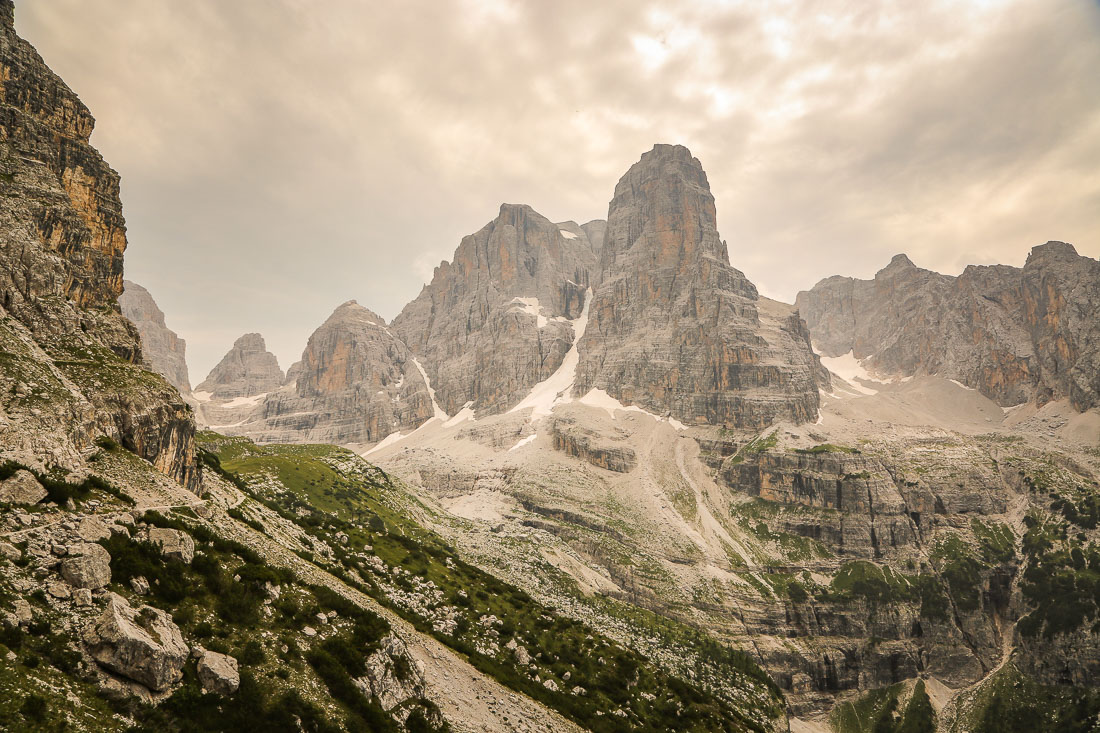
column 281, row 156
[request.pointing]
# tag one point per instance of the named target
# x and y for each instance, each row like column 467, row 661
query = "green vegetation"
column 995, row 541
column 1061, row 582
column 961, row 571
column 1011, row 702
column 879, row 711
column 826, row 448
column 874, row 584
column 357, row 534
column 759, row 444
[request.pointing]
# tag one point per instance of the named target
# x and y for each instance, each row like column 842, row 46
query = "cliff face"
column 165, row 352
column 495, row 321
column 673, row 327
column 62, row 238
column 1014, row 334
column 247, row 369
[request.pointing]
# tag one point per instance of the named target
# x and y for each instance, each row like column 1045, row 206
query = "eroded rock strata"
column 673, row 327
column 1015, row 334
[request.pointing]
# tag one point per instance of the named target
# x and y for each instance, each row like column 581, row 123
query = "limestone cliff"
column 164, row 351
column 71, row 361
column 495, row 321
column 677, row 330
column 1014, row 334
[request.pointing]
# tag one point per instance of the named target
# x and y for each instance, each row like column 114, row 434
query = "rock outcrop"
column 248, row 369
column 356, row 383
column 72, row 362
column 673, row 327
column 22, row 488
column 173, row 544
column 143, row 644
column 495, row 321
column 1015, row 334
column 164, row 352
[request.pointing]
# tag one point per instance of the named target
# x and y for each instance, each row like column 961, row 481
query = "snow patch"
column 388, row 440
column 530, row 438
column 530, row 306
column 245, row 401
column 600, row 398
column 851, row 369
column 436, row 409
column 955, row 381
column 554, row 389
column 567, row 234
column 466, row 413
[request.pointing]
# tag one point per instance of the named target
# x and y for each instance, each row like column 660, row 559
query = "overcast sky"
column 279, row 157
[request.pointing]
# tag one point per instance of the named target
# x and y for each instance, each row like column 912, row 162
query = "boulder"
column 22, row 488
column 143, row 644
column 24, row 613
column 10, row 551
column 174, row 544
column 139, row 585
column 93, row 529
column 218, row 673
column 87, row 566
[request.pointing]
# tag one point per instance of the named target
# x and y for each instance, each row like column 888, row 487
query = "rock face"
column 495, row 321
column 22, row 488
column 385, row 681
column 163, row 350
column 87, row 566
column 1014, row 334
column 356, row 383
column 143, row 644
column 590, row 445
column 673, row 327
column 218, row 673
column 62, row 238
column 248, row 369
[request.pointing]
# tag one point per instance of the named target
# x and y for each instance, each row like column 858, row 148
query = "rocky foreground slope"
column 1015, row 334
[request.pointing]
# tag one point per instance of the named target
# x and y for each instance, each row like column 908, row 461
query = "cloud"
column 281, row 156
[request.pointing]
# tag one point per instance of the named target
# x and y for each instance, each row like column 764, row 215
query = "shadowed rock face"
column 62, row 238
column 165, row 352
column 1014, row 334
column 248, row 369
column 673, row 327
column 494, row 322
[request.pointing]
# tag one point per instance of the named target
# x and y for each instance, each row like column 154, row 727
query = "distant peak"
column 899, row 263
column 352, row 310
column 250, row 342
column 1052, row 252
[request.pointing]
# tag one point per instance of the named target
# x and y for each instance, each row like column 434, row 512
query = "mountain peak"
column 1052, row 251
column 899, row 263
column 247, row 369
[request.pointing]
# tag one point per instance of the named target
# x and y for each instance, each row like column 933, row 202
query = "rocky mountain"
column 164, row 352
column 248, row 369
column 71, row 360
column 356, row 383
column 677, row 330
column 1015, row 334
column 497, row 320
